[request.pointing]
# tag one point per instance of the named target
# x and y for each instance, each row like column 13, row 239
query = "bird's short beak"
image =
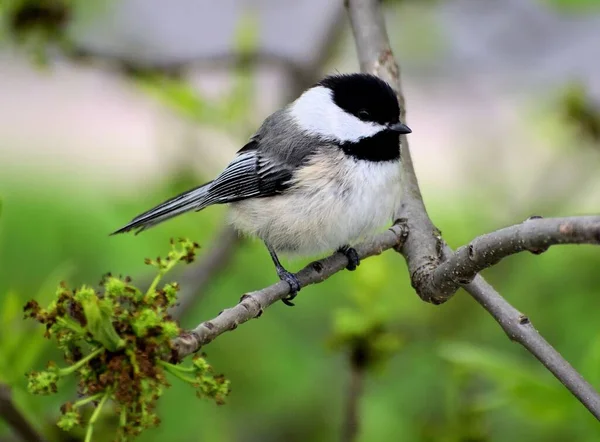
column 400, row 128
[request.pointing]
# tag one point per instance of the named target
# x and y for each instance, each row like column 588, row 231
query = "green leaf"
column 524, row 385
column 497, row 366
column 591, row 363
column 246, row 34
column 99, row 319
column 127, row 367
column 179, row 96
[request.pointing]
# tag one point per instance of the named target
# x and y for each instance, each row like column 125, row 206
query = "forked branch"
column 535, row 235
column 436, row 273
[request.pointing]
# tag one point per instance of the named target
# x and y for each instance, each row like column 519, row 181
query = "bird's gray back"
column 280, row 139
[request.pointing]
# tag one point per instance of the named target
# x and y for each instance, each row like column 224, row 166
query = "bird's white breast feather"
column 325, row 208
column 317, row 114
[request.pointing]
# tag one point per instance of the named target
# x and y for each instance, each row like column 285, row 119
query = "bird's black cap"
column 364, row 96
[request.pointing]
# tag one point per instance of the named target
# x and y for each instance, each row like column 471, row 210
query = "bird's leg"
column 286, row 276
column 352, row 255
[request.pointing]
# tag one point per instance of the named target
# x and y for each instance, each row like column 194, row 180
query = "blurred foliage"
column 35, row 25
column 391, row 2
column 574, row 5
column 39, row 27
column 363, row 329
column 282, row 355
column 444, row 373
column 246, row 34
column 581, row 111
column 117, row 343
column 231, row 112
column 24, row 18
column 187, row 102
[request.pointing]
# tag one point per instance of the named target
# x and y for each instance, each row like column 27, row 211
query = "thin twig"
column 252, row 304
column 519, row 328
column 176, row 67
column 15, row 419
column 351, row 420
column 304, row 73
column 195, row 280
column 535, row 235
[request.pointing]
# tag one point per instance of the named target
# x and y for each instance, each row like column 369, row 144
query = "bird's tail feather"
column 194, row 199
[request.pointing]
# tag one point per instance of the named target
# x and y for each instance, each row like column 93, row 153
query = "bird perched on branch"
column 319, row 174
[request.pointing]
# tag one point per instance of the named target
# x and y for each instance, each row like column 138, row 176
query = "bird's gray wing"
column 250, row 175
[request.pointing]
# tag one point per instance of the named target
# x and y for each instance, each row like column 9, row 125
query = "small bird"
column 319, row 174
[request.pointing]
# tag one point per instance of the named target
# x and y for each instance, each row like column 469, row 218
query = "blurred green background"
column 88, row 142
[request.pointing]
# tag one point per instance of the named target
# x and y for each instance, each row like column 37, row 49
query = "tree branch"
column 175, row 68
column 534, row 235
column 424, row 249
column 252, row 304
column 423, row 246
column 519, row 328
column 358, row 365
column 13, row 417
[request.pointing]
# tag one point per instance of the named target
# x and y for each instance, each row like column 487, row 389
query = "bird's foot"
column 294, row 284
column 352, row 255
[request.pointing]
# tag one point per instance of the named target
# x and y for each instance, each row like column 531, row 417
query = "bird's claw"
column 352, row 255
column 294, row 284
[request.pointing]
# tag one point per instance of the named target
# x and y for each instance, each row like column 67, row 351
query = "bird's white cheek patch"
column 317, row 114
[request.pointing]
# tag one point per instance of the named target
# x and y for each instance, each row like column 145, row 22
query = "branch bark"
column 358, row 365
column 15, row 419
column 252, row 304
column 519, row 328
column 534, row 235
column 422, row 248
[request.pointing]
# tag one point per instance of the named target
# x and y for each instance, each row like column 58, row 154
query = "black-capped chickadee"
column 318, row 174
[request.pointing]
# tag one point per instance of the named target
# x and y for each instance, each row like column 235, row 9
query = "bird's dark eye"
column 363, row 114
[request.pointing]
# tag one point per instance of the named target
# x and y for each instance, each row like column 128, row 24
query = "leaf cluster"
column 117, row 342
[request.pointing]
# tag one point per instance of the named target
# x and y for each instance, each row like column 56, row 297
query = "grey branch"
column 519, row 328
column 176, row 68
column 358, row 367
column 15, row 419
column 424, row 250
column 423, row 245
column 535, row 235
column 252, row 304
